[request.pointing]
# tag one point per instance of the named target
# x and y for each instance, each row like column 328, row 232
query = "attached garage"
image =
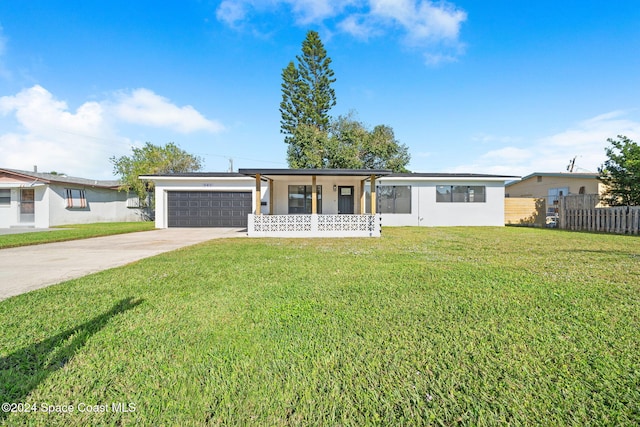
column 208, row 208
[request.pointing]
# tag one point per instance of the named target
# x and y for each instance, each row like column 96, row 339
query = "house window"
column 133, row 201
column 75, row 199
column 5, row 197
column 461, row 194
column 394, row 199
column 300, row 199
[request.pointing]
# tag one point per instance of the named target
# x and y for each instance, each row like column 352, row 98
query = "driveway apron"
column 27, row 268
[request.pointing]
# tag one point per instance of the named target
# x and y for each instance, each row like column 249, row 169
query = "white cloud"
column 423, row 20
column 38, row 112
column 231, row 12
column 54, row 138
column 486, row 138
column 236, row 12
column 310, row 11
column 585, row 140
column 439, row 58
column 360, row 26
column 433, row 27
column 144, row 107
column 49, row 134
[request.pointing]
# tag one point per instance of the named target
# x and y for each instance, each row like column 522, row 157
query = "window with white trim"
column 76, row 199
column 133, row 201
column 461, row 194
column 5, row 197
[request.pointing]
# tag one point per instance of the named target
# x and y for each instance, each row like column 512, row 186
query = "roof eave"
column 192, row 177
column 316, row 172
column 452, row 177
column 25, row 175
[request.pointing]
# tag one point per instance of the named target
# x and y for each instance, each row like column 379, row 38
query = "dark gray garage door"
column 208, row 208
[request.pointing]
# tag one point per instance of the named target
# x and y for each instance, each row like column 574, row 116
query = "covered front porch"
column 314, row 203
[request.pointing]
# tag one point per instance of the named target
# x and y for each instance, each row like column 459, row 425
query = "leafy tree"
column 352, row 145
column 151, row 160
column 621, row 172
column 309, row 151
column 383, row 151
column 307, row 95
column 347, row 138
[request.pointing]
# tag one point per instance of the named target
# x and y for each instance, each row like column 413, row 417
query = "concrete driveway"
column 32, row 267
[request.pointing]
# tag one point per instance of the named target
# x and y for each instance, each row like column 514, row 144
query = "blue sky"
column 506, row 87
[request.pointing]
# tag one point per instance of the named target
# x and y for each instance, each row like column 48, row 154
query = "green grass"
column 73, row 232
column 424, row 326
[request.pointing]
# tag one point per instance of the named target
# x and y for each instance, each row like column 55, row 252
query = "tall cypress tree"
column 307, row 96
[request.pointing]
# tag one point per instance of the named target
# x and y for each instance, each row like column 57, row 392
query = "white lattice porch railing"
column 314, row 225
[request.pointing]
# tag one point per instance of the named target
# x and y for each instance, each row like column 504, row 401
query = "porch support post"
column 258, row 194
column 373, row 194
column 271, row 209
column 362, row 198
column 314, row 196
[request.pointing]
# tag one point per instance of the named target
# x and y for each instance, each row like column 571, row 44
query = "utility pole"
column 230, row 165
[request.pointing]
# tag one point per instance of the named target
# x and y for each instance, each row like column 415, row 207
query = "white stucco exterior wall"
column 10, row 215
column 8, row 212
column 165, row 184
column 42, row 210
column 425, row 211
column 103, row 205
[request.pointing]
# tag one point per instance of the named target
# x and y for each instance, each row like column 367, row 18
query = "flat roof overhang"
column 198, row 177
column 364, row 173
column 190, row 175
column 449, row 177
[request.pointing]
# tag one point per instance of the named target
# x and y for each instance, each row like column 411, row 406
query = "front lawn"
column 73, row 232
column 424, row 326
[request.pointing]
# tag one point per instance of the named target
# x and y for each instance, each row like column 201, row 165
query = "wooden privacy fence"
column 524, row 211
column 579, row 213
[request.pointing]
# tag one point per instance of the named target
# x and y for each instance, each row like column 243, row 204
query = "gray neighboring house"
column 42, row 200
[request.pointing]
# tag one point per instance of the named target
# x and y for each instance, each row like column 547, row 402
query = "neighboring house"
column 326, row 202
column 551, row 186
column 42, row 200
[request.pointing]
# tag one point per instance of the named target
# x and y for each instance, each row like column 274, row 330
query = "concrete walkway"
column 27, row 268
